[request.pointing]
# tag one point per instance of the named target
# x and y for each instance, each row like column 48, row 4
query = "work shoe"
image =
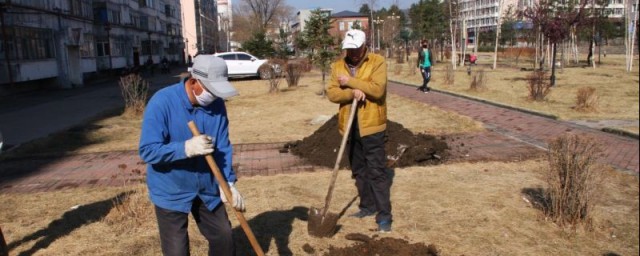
column 384, row 226
column 362, row 213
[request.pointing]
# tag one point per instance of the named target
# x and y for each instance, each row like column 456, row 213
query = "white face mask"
column 205, row 98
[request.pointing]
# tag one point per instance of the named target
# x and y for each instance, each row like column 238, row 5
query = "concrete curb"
column 607, row 129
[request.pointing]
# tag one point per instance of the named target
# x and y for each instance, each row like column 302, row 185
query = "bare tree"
column 498, row 28
column 262, row 12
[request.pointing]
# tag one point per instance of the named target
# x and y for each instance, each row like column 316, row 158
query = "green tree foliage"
column 428, row 19
column 508, row 32
column 282, row 50
column 317, row 42
column 259, row 45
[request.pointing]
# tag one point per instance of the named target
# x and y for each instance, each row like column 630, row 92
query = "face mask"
column 205, row 98
column 424, row 46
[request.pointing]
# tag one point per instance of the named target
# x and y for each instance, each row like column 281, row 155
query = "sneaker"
column 384, row 226
column 362, row 213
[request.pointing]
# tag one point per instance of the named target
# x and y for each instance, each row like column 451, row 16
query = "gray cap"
column 212, row 73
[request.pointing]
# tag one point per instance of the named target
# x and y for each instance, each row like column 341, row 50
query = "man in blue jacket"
column 178, row 177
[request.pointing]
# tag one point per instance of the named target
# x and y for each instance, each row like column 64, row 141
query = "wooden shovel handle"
column 225, row 189
column 334, row 176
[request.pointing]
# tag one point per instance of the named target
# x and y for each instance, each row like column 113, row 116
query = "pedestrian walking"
column 425, row 62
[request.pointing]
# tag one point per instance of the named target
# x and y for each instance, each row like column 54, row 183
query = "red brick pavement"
column 619, row 151
column 512, row 136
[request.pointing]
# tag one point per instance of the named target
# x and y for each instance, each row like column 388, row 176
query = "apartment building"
column 67, row 41
column 343, row 21
column 200, row 27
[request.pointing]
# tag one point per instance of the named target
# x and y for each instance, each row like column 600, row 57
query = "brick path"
column 512, row 136
column 620, row 152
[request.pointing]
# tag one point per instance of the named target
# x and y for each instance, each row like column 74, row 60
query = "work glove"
column 198, row 146
column 238, row 201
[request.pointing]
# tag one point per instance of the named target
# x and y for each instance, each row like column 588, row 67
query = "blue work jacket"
column 173, row 179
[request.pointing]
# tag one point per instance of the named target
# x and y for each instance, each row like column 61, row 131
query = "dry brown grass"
column 470, row 209
column 617, row 89
column 256, row 117
column 465, row 208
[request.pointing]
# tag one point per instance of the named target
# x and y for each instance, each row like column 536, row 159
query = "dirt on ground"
column 379, row 246
column 403, row 147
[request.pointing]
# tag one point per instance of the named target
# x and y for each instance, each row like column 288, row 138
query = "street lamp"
column 378, row 21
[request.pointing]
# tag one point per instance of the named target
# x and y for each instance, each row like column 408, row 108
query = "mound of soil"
column 321, row 148
column 382, row 246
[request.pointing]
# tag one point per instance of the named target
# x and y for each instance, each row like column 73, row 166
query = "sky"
column 342, row 5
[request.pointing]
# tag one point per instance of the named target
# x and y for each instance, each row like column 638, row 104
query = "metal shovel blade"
column 321, row 226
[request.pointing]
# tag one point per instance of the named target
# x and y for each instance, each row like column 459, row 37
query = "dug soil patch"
column 382, row 246
column 321, row 148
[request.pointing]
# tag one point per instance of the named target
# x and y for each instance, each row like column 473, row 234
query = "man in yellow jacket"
column 363, row 75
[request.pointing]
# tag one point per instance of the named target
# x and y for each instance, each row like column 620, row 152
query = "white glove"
column 238, row 201
column 198, row 146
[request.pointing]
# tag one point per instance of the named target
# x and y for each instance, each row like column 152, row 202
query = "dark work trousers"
column 214, row 226
column 426, row 77
column 368, row 167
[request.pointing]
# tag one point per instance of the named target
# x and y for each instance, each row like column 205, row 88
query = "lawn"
column 462, row 208
column 617, row 89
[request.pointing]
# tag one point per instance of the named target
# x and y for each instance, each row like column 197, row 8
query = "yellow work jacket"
column 370, row 78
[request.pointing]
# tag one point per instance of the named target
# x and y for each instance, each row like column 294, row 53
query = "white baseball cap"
column 353, row 39
column 213, row 74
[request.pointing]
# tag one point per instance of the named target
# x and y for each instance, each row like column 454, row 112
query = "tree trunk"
column 553, row 65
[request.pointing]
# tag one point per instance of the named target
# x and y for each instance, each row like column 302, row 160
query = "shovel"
column 321, row 222
column 227, row 192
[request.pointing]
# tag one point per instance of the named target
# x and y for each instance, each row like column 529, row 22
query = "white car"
column 242, row 64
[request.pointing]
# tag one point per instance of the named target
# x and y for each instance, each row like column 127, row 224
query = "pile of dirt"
column 382, row 246
column 321, row 148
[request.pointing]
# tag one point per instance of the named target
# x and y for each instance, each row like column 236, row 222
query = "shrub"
column 449, row 75
column 586, row 99
column 397, row 69
column 572, row 179
column 135, row 92
column 539, row 85
column 294, row 69
column 479, row 81
column 275, row 79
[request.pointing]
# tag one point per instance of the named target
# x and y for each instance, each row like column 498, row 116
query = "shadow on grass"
column 277, row 226
column 70, row 221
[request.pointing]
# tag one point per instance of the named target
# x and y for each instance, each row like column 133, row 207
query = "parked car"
column 242, row 64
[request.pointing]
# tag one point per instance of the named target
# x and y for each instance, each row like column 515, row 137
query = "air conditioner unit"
column 75, row 36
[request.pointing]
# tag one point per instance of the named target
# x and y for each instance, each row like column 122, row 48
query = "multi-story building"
column 343, row 21
column 302, row 16
column 67, row 41
column 200, row 27
column 225, row 21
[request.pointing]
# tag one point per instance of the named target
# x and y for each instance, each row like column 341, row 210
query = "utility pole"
column 378, row 21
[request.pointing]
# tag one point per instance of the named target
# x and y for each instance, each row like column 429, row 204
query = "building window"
column 103, row 48
column 87, row 49
column 341, row 26
column 26, row 43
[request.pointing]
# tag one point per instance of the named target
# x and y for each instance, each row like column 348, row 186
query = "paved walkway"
column 512, row 136
column 619, row 151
